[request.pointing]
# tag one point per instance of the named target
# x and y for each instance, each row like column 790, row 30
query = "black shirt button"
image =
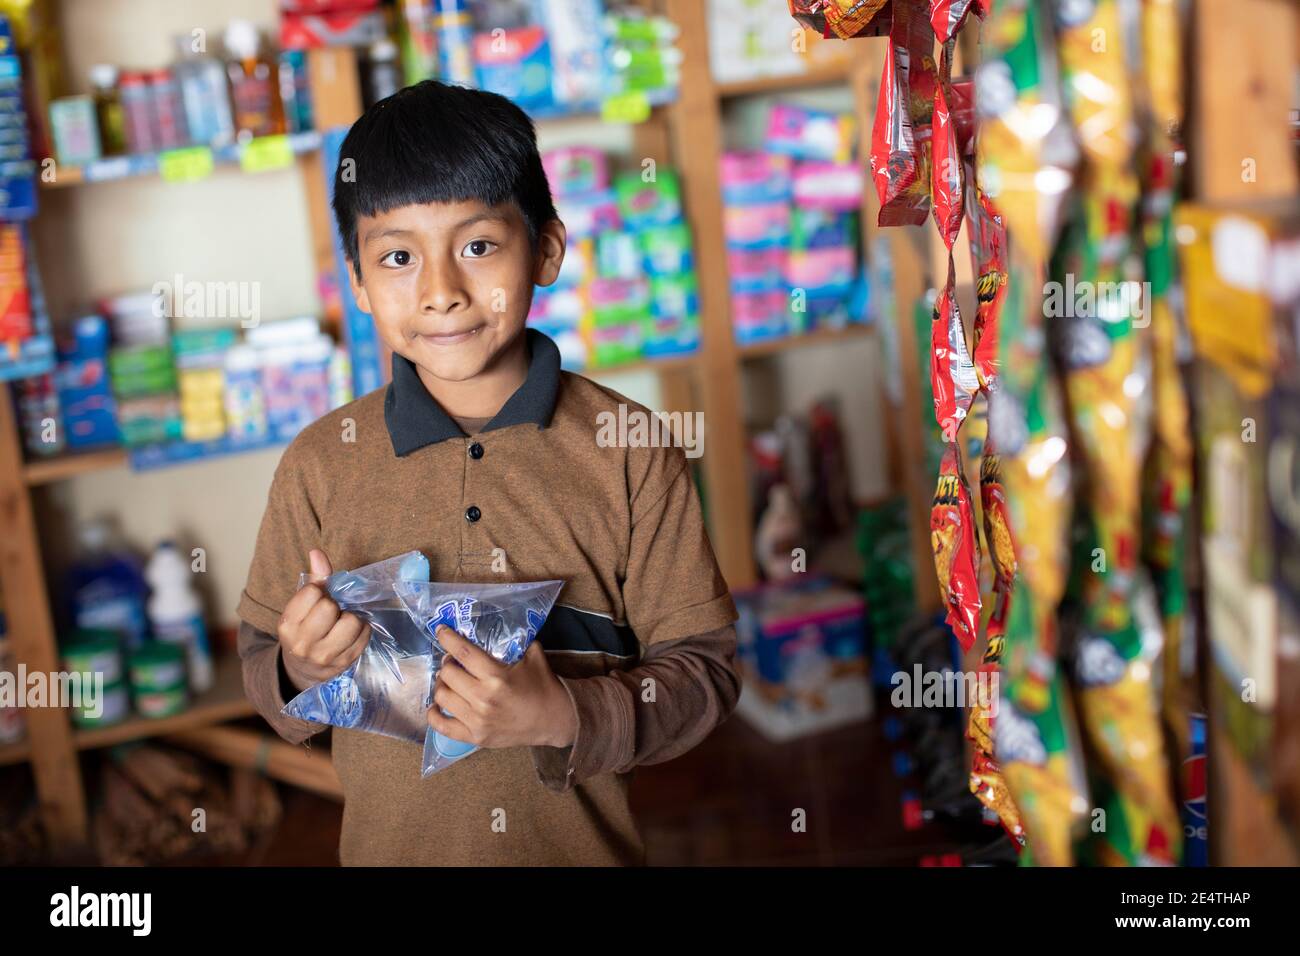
column 476, row 451
column 472, row 513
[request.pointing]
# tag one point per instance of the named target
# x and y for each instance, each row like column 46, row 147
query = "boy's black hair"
column 437, row 143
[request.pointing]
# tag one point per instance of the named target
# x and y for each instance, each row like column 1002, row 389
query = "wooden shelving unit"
column 52, row 744
column 685, row 134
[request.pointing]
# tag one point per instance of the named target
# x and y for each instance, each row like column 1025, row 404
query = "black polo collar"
column 414, row 419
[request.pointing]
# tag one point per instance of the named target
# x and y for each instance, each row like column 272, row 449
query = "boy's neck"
column 483, row 395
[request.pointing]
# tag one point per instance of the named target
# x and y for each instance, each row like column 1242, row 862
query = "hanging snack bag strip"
column 900, row 136
column 956, row 548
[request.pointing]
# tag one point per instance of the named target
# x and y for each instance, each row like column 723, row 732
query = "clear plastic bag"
column 385, row 691
column 502, row 619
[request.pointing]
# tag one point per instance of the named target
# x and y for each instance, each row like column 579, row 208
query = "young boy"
column 482, row 454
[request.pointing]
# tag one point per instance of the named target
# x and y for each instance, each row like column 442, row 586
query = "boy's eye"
column 479, row 248
column 398, row 257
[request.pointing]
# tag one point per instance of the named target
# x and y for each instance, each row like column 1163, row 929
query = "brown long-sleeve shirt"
column 641, row 636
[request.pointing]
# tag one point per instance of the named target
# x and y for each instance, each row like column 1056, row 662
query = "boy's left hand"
column 498, row 705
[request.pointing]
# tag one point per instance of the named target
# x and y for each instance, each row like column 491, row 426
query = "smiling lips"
column 450, row 338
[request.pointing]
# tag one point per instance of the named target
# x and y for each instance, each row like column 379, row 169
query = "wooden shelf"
column 69, row 466
column 816, row 337
column 224, row 701
column 818, row 76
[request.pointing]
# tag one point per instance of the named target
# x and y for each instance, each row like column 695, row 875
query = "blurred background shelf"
column 151, row 164
column 67, row 466
column 815, row 337
column 224, row 701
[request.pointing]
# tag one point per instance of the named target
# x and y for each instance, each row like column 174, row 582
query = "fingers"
column 319, row 564
column 315, row 625
column 475, row 660
column 302, row 602
column 342, row 637
column 450, row 727
column 453, row 703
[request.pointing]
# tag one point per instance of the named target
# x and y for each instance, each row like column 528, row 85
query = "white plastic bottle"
column 176, row 614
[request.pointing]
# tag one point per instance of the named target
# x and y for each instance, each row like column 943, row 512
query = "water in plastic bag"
column 385, row 691
column 502, row 619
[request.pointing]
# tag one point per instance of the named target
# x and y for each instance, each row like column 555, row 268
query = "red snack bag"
column 946, row 16
column 952, row 373
column 956, row 548
column 901, row 131
column 947, row 182
column 988, row 250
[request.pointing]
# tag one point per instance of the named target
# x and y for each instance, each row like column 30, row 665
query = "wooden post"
column 695, row 122
column 1243, row 64
column 336, row 101
column 22, row 580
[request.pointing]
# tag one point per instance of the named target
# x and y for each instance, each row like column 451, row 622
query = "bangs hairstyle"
column 437, row 143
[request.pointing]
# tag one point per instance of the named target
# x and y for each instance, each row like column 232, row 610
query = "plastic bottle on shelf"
column 203, row 95
column 138, row 113
column 254, row 84
column 168, row 113
column 176, row 613
column 108, row 109
column 384, row 72
column 295, row 91
column 455, row 31
column 105, row 587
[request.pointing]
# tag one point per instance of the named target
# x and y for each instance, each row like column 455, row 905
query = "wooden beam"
column 336, row 101
column 309, row 769
column 22, row 581
column 696, row 125
column 1243, row 63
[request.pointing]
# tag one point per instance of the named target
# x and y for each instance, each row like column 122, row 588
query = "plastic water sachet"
column 385, row 691
column 502, row 619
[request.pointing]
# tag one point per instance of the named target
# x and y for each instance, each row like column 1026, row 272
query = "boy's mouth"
column 450, row 338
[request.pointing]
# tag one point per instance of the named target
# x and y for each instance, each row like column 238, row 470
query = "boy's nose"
column 443, row 290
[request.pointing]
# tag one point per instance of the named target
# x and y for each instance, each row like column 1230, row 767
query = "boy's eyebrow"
column 394, row 232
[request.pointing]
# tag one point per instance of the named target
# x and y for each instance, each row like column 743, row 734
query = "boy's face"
column 450, row 284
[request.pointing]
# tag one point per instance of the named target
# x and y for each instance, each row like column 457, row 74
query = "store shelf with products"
column 188, row 163
column 224, row 701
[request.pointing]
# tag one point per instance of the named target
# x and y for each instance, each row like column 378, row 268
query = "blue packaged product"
column 1195, row 832
column 502, row 619
column 106, row 587
column 384, row 691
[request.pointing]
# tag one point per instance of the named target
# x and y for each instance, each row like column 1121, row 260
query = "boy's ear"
column 550, row 252
column 358, row 290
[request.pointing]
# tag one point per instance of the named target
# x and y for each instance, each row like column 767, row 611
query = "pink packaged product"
column 584, row 216
column 832, row 186
column 756, row 270
column 575, row 170
column 809, row 134
column 830, row 269
column 761, row 309
column 760, row 177
column 757, row 227
column 606, row 293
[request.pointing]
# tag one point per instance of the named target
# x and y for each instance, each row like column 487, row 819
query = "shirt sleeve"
column 290, row 529
column 656, row 711
column 267, row 685
column 673, row 587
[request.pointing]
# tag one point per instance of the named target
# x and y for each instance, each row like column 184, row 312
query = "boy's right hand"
column 317, row 641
